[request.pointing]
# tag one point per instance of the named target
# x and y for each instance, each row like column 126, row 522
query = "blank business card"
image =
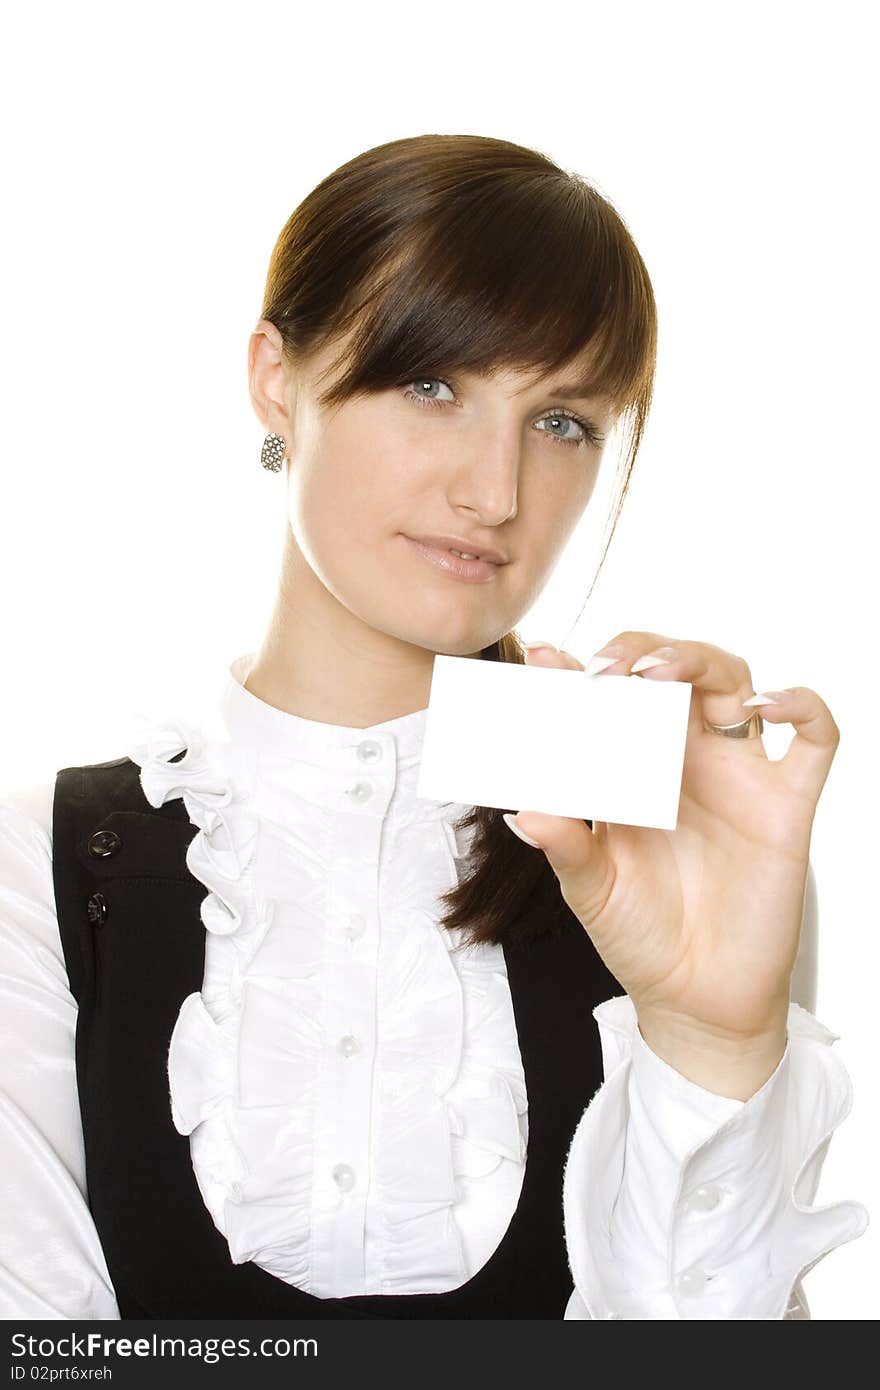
column 537, row 738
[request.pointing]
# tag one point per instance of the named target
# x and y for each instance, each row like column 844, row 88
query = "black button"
column 97, row 909
column 103, row 843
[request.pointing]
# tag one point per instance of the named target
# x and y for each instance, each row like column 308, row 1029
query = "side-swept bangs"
column 444, row 253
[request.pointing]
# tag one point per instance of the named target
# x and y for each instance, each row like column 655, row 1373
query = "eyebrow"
column 585, row 390
column 581, row 390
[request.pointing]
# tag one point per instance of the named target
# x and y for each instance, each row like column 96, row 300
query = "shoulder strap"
column 104, row 828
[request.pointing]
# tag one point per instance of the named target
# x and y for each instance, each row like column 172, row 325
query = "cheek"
column 344, row 497
column 551, row 503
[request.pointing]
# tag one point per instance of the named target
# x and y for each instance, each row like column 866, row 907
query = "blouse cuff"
column 680, row 1203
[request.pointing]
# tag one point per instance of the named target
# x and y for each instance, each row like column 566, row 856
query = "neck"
column 319, row 661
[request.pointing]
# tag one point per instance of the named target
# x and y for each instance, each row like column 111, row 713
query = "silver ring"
column 742, row 730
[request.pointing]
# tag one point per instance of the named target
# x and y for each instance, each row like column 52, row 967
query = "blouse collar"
column 250, row 721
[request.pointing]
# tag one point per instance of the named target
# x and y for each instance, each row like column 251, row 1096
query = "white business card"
column 538, row 738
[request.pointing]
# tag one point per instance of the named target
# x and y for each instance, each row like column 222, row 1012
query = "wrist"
column 735, row 1066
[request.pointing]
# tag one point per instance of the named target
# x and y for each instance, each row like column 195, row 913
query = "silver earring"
column 273, row 452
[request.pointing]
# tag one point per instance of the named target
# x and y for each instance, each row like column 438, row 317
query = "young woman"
column 283, row 1038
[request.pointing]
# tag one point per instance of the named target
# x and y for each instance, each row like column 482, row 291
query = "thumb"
column 576, row 854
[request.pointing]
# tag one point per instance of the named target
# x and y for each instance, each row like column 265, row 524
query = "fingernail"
column 599, row 663
column 769, row 697
column 509, row 821
column 531, row 646
column 661, row 657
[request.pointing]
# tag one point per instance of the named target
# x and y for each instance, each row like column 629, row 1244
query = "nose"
column 486, row 475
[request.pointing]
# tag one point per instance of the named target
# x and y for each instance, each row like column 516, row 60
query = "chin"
column 467, row 644
column 437, row 638
column 449, row 624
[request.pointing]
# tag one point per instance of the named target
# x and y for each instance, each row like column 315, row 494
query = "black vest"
column 134, row 945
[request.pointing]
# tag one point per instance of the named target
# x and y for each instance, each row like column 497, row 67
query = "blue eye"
column 589, row 433
column 428, row 381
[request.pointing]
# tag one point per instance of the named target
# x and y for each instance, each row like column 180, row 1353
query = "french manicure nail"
column 599, row 663
column 509, row 821
column 769, row 697
column 661, row 657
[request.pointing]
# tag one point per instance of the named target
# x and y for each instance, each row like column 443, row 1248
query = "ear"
column 269, row 380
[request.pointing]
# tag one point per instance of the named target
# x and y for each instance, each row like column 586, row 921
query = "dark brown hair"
column 445, row 253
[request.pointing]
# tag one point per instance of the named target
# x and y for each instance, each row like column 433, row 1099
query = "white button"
column 343, row 1176
column 704, row 1198
column 348, row 1045
column 369, row 751
column 357, row 925
column 612, row 1315
column 692, row 1281
column 360, row 792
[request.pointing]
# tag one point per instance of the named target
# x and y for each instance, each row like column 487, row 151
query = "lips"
column 446, row 562
column 452, row 543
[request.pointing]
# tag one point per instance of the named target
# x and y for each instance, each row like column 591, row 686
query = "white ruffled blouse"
column 351, row 1084
column 349, row 1074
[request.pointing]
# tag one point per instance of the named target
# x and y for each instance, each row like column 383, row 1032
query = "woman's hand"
column 701, row 924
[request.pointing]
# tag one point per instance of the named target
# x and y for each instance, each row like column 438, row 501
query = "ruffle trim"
column 242, row 1058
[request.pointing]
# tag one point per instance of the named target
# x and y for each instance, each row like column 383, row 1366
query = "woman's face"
column 490, row 460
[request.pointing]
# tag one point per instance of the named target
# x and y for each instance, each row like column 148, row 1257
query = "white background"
column 152, row 155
